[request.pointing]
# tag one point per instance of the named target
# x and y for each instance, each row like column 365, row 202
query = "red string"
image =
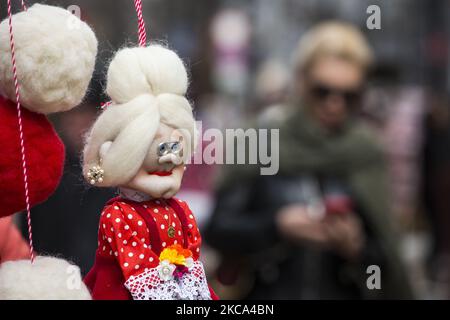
column 24, row 6
column 105, row 105
column 141, row 23
column 142, row 37
column 19, row 116
column 142, row 43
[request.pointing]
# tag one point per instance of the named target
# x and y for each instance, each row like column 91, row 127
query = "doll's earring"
column 96, row 174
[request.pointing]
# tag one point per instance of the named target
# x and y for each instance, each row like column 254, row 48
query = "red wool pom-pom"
column 44, row 155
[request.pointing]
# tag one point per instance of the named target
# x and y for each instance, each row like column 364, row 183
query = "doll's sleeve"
column 194, row 237
column 125, row 235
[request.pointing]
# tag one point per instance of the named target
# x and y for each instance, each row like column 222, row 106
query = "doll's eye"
column 162, row 149
column 175, row 147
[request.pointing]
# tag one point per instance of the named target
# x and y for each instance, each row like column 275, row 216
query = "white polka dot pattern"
column 124, row 236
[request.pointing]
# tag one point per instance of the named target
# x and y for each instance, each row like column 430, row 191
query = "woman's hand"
column 295, row 223
column 341, row 233
column 345, row 234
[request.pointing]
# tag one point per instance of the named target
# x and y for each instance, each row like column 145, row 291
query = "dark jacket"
column 243, row 225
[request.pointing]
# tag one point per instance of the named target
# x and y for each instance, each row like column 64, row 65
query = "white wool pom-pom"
column 55, row 54
column 48, row 278
column 151, row 70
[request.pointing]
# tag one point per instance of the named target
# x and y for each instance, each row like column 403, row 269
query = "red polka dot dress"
column 148, row 250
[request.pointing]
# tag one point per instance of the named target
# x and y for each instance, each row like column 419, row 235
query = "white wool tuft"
column 55, row 53
column 151, row 70
column 47, row 278
column 148, row 87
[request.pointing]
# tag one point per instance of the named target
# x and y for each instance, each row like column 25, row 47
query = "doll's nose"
column 170, row 159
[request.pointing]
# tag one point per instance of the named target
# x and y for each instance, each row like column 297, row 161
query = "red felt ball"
column 44, row 156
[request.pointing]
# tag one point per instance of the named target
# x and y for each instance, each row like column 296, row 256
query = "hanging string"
column 142, row 37
column 141, row 23
column 21, row 137
column 24, row 6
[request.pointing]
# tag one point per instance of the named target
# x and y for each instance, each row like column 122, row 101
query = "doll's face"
column 162, row 170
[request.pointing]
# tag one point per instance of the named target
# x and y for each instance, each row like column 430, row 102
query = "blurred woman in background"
column 312, row 230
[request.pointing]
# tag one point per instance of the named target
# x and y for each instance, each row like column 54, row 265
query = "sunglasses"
column 322, row 92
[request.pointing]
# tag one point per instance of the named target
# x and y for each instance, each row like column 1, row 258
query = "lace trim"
column 148, row 285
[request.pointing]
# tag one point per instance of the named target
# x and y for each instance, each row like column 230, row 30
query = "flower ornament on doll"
column 149, row 243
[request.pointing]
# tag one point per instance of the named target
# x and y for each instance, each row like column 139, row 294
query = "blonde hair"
column 147, row 87
column 335, row 39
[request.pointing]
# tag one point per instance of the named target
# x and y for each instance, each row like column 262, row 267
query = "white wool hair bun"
column 147, row 87
column 55, row 56
column 151, row 70
column 48, row 278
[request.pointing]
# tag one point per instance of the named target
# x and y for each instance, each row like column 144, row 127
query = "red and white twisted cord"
column 24, row 6
column 141, row 23
column 21, row 136
column 142, row 36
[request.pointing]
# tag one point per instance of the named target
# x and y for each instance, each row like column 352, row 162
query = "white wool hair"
column 48, row 278
column 55, row 56
column 150, row 70
column 147, row 87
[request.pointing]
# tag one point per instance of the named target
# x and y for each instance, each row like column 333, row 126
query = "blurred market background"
column 239, row 56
